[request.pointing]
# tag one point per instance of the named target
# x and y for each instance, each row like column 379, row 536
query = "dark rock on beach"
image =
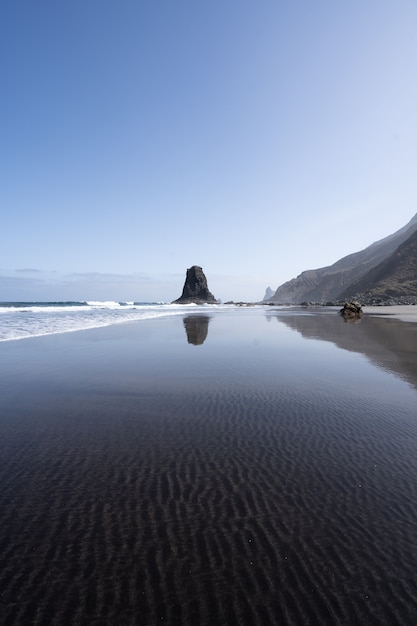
column 195, row 290
column 351, row 310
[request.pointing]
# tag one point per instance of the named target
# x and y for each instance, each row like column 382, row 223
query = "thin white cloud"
column 28, row 270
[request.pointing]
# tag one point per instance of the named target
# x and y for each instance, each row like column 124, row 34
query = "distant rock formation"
column 195, row 290
column 268, row 294
column 196, row 327
column 340, row 281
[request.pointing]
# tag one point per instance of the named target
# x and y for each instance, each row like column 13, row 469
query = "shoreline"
column 402, row 312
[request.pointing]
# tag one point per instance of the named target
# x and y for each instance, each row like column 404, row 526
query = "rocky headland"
column 384, row 273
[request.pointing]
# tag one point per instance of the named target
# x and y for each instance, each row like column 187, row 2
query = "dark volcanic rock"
column 195, row 288
column 352, row 310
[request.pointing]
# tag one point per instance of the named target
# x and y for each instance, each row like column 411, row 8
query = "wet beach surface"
column 257, row 467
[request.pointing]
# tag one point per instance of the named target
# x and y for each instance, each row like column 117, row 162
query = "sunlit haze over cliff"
column 256, row 140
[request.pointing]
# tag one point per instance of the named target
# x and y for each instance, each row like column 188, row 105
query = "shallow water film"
column 251, row 467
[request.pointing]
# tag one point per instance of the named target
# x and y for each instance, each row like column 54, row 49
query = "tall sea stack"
column 195, row 289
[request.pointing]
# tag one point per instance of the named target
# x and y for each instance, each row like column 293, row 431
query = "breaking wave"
column 20, row 320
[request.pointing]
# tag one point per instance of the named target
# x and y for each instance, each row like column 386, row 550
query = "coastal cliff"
column 353, row 275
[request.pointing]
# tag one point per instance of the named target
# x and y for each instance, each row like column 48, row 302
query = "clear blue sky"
column 256, row 139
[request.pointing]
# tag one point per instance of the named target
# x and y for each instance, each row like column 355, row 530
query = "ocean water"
column 20, row 320
column 238, row 467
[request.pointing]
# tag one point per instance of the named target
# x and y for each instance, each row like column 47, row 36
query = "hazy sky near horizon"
column 257, row 140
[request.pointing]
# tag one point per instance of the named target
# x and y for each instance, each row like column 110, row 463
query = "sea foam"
column 21, row 320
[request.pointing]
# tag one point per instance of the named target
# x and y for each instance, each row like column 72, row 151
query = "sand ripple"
column 250, row 507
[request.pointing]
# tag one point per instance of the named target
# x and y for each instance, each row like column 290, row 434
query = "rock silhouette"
column 195, row 288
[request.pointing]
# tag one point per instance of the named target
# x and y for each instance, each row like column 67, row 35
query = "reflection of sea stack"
column 196, row 327
column 195, row 288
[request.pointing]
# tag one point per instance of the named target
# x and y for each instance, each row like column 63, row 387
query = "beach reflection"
column 196, row 327
column 387, row 342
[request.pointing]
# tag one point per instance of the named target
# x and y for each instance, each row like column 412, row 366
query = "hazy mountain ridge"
column 396, row 277
column 336, row 281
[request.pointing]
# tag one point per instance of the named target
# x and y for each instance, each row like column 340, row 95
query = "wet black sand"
column 261, row 476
